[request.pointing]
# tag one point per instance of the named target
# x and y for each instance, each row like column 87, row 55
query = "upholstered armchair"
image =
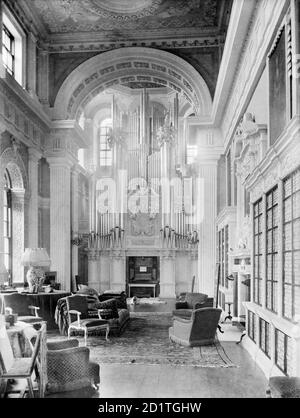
column 190, row 302
column 18, row 303
column 69, row 367
column 200, row 329
column 79, row 319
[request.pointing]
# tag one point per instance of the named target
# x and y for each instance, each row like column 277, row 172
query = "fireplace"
column 143, row 276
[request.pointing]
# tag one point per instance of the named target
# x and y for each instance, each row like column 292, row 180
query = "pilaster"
column 94, row 269
column 43, row 76
column 60, row 225
column 207, row 228
column 74, row 217
column 167, row 273
column 18, row 205
column 31, row 64
column 117, row 270
column 34, row 157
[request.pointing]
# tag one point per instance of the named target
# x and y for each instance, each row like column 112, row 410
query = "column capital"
column 64, row 161
column 34, row 154
column 65, row 139
column 32, row 37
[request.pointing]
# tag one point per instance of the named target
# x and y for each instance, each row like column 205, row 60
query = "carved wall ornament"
column 142, row 224
column 245, row 234
column 14, row 163
column 166, row 133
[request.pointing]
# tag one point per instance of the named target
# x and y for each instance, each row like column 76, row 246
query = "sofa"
column 191, row 302
column 117, row 317
column 112, row 305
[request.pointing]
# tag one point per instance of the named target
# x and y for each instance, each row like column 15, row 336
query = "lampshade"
column 35, row 257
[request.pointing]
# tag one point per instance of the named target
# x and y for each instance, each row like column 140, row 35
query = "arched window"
column 7, row 224
column 105, row 150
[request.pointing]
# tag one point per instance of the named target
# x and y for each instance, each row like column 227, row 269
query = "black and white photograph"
column 149, row 203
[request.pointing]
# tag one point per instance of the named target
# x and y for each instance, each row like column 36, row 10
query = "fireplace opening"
column 143, row 277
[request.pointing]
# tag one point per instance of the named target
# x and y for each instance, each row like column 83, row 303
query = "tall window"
column 272, row 250
column 105, row 150
column 13, row 46
column 7, row 224
column 258, row 251
column 8, row 50
column 291, row 245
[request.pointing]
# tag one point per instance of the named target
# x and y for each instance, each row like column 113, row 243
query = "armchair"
column 200, row 329
column 190, row 302
column 18, row 303
column 63, row 366
column 77, row 307
column 69, row 367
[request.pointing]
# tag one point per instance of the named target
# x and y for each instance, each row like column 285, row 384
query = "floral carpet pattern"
column 146, row 341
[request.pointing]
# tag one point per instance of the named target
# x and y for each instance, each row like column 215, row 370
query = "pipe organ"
column 144, row 142
column 142, row 201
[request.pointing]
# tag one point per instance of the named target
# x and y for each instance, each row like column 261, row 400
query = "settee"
column 112, row 309
column 112, row 305
column 191, row 302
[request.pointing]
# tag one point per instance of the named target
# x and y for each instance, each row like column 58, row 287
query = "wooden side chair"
column 18, row 368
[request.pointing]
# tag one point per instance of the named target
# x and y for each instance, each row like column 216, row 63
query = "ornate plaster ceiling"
column 73, row 16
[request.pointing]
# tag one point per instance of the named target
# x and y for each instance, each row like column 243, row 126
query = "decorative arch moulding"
column 115, row 67
column 11, row 160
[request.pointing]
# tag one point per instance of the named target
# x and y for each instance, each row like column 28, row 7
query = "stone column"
column 31, row 64
column 167, row 274
column 74, row 217
column 207, row 229
column 33, row 226
column 60, row 225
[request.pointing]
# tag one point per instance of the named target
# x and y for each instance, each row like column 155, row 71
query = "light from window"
column 258, row 251
column 105, row 150
column 272, row 250
column 13, row 47
column 291, row 245
column 8, row 50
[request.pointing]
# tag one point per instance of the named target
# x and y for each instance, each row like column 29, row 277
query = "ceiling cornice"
column 101, row 43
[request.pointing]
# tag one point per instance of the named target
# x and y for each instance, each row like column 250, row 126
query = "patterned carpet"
column 146, row 341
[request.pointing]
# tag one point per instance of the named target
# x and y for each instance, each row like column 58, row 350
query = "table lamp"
column 35, row 259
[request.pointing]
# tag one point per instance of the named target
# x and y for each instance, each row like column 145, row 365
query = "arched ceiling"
column 74, row 30
column 131, row 65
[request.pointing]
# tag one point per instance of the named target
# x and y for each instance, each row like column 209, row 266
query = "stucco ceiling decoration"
column 71, row 16
column 119, row 9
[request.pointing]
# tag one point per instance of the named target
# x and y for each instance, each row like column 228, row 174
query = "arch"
column 134, row 64
column 12, row 161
